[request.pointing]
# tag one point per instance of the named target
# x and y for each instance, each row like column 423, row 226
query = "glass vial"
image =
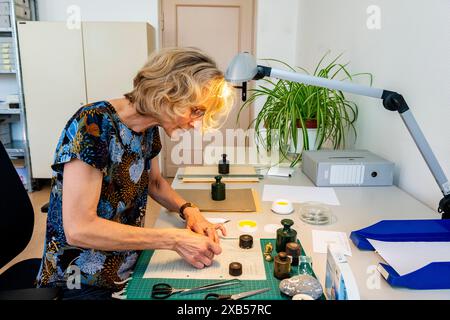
column 305, row 266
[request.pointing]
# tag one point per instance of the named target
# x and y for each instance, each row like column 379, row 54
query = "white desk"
column 360, row 207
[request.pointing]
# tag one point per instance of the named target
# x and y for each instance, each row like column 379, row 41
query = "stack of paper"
column 406, row 257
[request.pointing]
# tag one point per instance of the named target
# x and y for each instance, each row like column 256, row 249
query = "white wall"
column 103, row 10
column 410, row 55
column 276, row 29
column 276, row 33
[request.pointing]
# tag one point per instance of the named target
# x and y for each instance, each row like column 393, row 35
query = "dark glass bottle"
column 224, row 165
column 218, row 189
column 285, row 235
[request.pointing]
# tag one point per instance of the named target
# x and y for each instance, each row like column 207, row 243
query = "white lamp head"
column 242, row 68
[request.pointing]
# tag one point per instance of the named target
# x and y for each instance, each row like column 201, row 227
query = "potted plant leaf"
column 292, row 110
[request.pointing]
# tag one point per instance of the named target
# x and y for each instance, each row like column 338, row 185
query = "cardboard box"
column 340, row 283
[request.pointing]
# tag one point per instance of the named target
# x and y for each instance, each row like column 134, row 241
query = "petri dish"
column 247, row 226
column 315, row 213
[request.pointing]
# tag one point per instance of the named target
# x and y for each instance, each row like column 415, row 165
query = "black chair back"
column 16, row 211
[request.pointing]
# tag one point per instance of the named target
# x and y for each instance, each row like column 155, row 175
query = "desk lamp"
column 243, row 68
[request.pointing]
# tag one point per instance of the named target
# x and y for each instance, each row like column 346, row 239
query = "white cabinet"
column 65, row 68
column 113, row 53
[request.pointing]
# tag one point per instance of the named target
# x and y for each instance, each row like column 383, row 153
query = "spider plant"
column 290, row 105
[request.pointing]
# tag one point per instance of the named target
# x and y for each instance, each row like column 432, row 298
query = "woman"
column 105, row 166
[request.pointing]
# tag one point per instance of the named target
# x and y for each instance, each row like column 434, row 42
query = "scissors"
column 216, row 296
column 164, row 290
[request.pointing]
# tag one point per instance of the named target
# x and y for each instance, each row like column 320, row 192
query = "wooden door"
column 54, row 85
column 221, row 28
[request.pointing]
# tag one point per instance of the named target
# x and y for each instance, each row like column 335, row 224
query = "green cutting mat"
column 140, row 288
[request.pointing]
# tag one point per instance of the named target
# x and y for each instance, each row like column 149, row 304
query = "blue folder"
column 435, row 275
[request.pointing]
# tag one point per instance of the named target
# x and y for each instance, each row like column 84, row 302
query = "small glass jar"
column 315, row 213
column 305, row 265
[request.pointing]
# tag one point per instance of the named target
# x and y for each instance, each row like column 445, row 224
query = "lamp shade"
column 242, row 68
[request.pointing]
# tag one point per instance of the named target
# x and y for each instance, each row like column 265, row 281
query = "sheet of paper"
column 406, row 257
column 322, row 238
column 300, row 194
column 280, row 171
column 169, row 265
column 218, row 220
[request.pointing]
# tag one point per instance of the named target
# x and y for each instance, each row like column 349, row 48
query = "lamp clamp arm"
column 263, row 71
column 444, row 207
column 394, row 101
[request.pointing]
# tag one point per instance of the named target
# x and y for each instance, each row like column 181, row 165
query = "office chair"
column 16, row 229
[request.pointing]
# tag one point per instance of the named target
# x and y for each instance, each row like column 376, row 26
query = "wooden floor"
column 36, row 245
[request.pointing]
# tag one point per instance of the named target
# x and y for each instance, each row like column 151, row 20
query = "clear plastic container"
column 315, row 213
column 305, row 265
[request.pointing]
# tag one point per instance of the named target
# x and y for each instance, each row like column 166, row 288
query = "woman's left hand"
column 196, row 222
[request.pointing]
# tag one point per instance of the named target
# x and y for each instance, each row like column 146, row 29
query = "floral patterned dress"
column 96, row 136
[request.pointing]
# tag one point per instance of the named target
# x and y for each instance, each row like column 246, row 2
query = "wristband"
column 184, row 206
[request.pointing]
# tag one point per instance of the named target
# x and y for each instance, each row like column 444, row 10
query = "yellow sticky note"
column 6, row 45
column 6, row 61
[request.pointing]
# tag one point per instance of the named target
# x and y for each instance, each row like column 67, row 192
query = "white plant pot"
column 312, row 135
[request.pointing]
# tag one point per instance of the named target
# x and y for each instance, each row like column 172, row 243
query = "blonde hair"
column 176, row 79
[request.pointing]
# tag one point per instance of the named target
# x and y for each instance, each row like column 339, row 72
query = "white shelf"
column 9, row 111
column 15, row 148
column 10, row 81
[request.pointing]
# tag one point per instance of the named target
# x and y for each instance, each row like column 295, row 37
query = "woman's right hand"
column 196, row 249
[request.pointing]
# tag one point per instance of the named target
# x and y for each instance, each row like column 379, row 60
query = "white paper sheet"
column 280, row 171
column 218, row 220
column 300, row 194
column 169, row 265
column 322, row 238
column 406, row 257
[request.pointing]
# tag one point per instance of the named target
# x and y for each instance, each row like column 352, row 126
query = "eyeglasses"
column 197, row 113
